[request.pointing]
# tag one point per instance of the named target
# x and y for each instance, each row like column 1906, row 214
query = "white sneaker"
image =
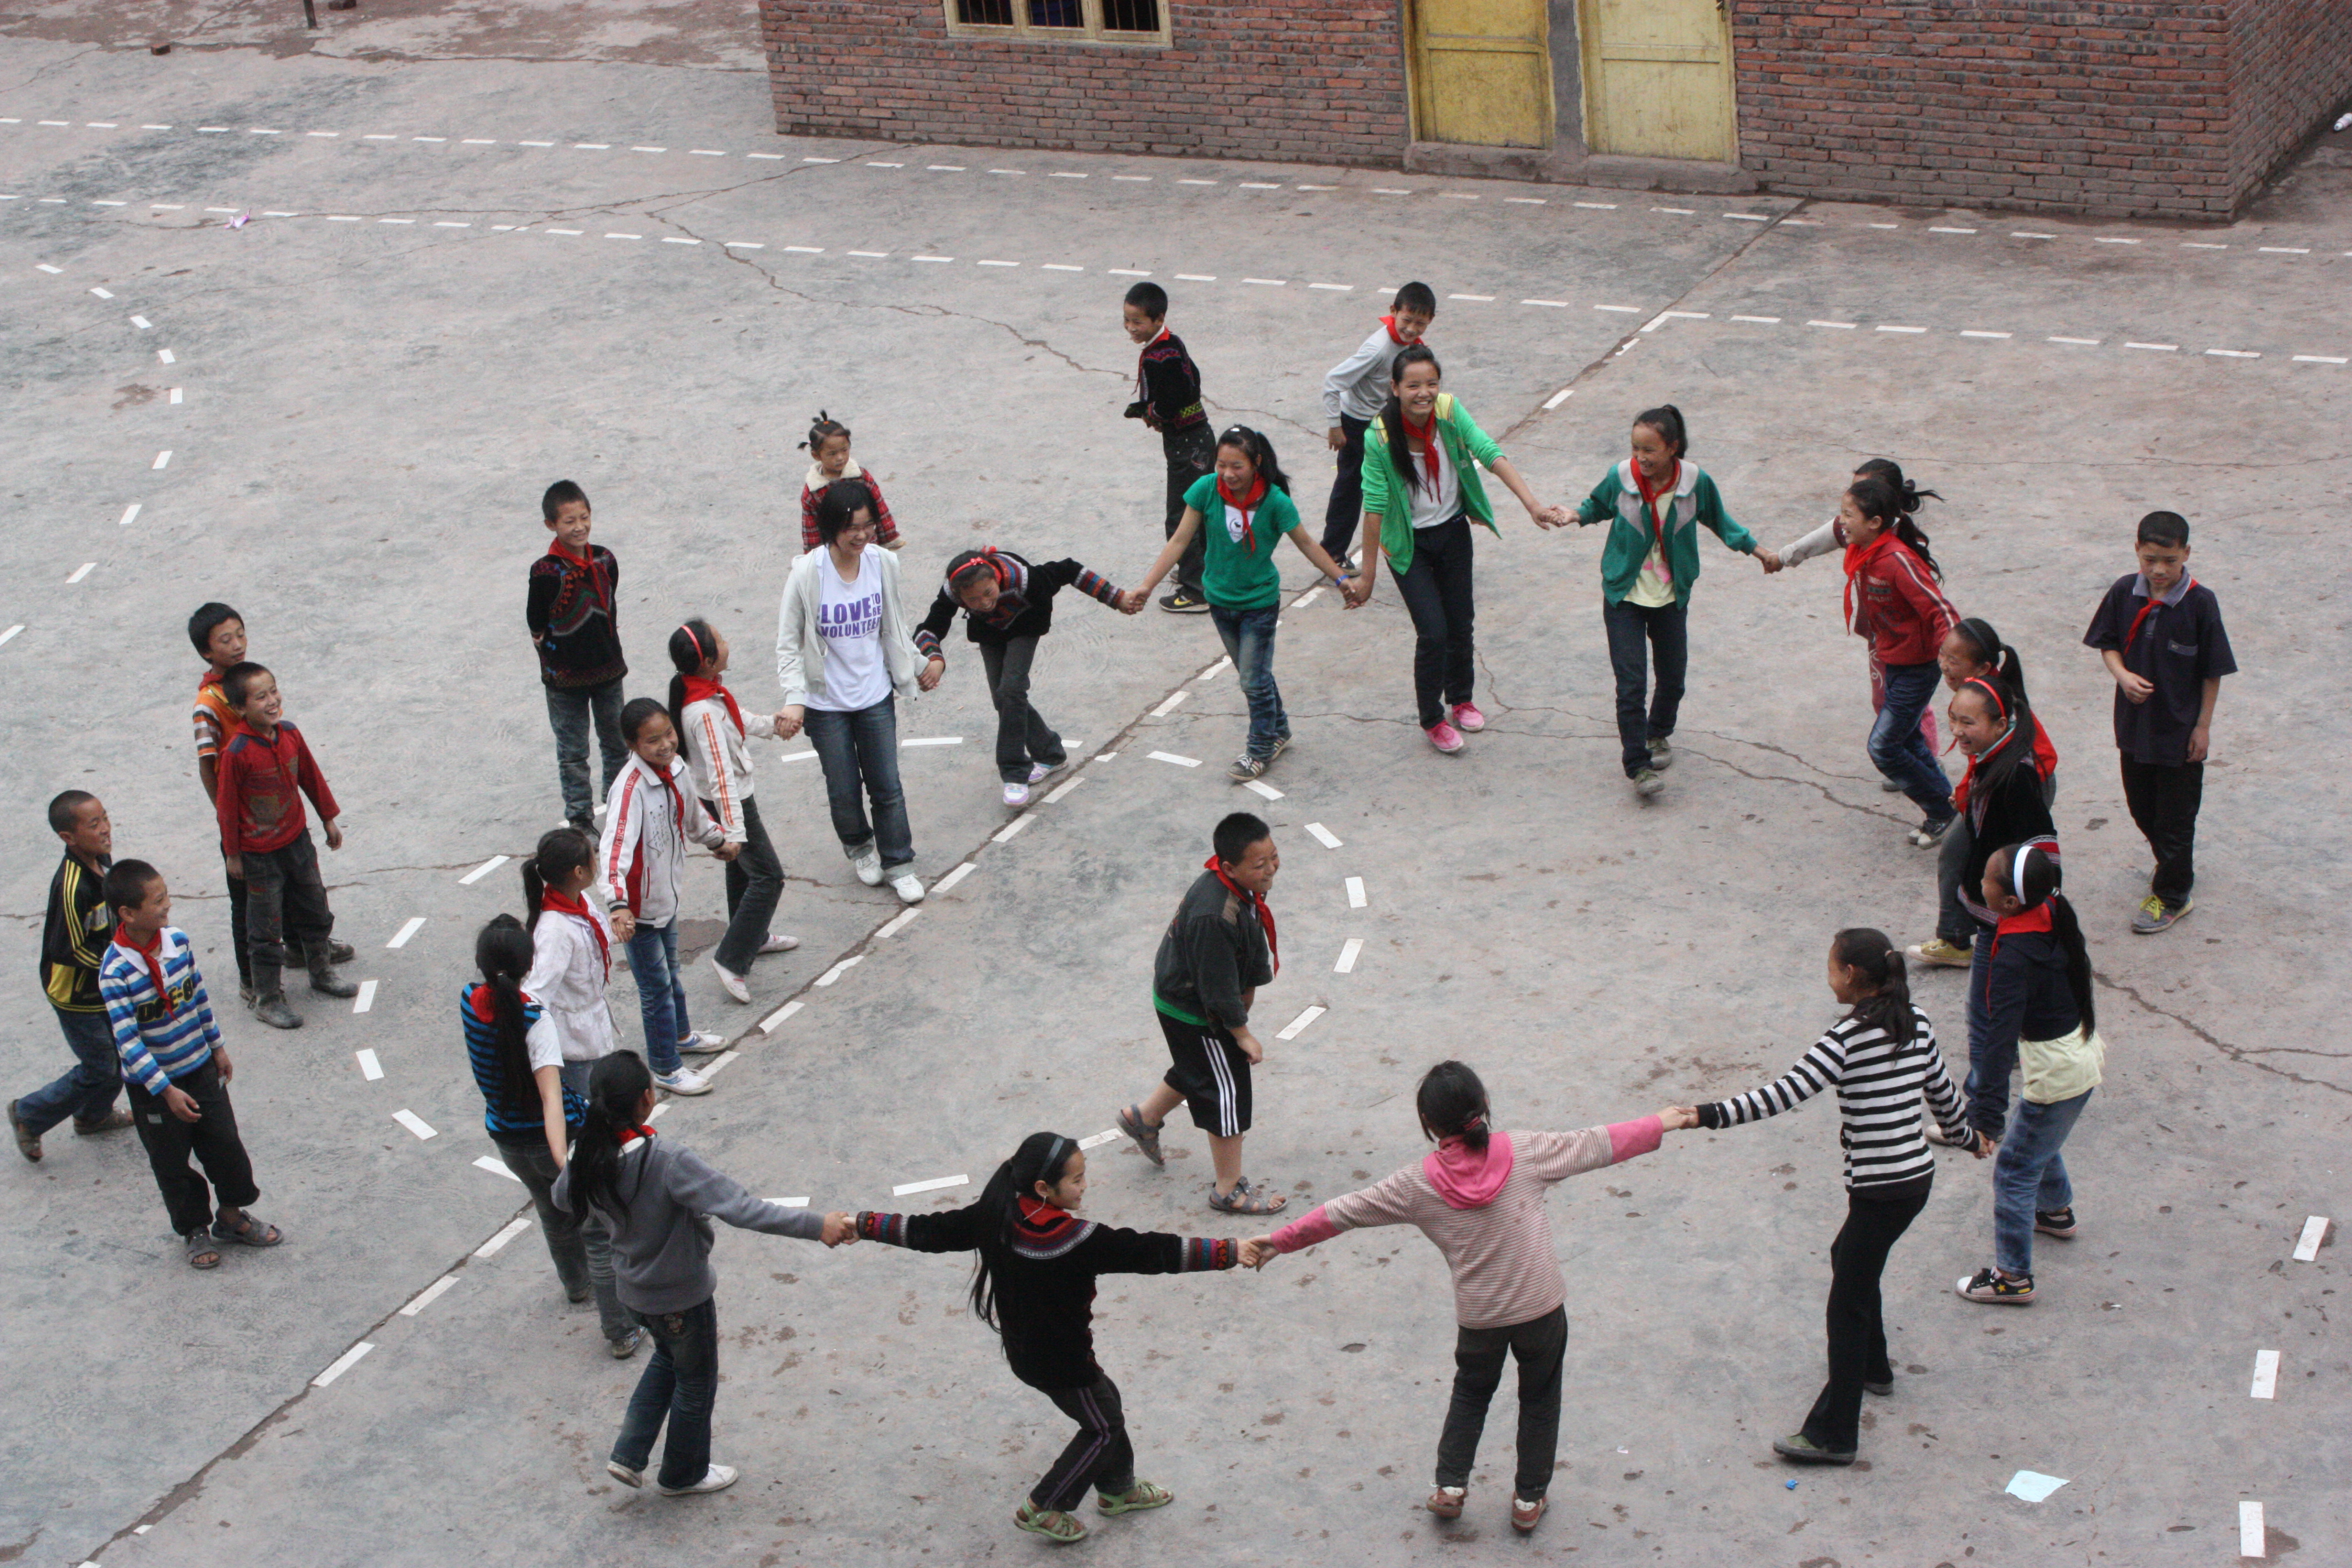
column 1038, row 772
column 1016, row 794
column 908, row 886
column 685, row 1082
column 717, row 1479
column 731, row 982
column 868, row 864
column 622, row 1474
column 775, row 944
column 702, row 1043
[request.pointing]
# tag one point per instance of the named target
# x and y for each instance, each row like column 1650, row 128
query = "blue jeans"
column 1985, row 1094
column 661, row 994
column 859, row 753
column 1897, row 747
column 1248, row 637
column 86, row 1093
column 2029, row 1175
column 681, row 1383
column 570, row 710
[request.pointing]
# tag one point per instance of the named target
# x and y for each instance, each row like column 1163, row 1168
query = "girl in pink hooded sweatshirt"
column 1480, row 1197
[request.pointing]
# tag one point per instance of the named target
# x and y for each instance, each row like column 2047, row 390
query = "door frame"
column 1591, row 86
column 1409, row 34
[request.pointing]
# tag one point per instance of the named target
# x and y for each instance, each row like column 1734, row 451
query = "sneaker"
column 1992, row 1285
column 1246, row 767
column 1016, row 794
column 2058, row 1223
column 1931, row 832
column 623, row 1349
column 2156, row 915
column 1890, row 786
column 1039, row 771
column 1937, row 953
column 702, row 1043
column 1467, row 719
column 908, row 886
column 774, row 943
column 1804, row 1450
column 685, row 1082
column 1445, row 737
column 273, row 1010
column 867, row 864
column 1445, row 1502
column 114, row 1121
column 1281, row 745
column 731, row 982
column 717, row 1478
column 1183, row 602
column 622, row 1474
column 1527, row 1513
column 28, row 1145
column 1648, row 783
column 1662, row 753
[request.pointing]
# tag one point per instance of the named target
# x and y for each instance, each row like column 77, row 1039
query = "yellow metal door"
column 1482, row 73
column 1657, row 80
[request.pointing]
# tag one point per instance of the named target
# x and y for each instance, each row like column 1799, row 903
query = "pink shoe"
column 1445, row 737
column 1467, row 718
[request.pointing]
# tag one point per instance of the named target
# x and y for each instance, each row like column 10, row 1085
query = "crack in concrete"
column 2244, row 1054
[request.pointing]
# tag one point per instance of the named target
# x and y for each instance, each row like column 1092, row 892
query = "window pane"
column 985, row 13
column 1056, row 13
column 1131, row 15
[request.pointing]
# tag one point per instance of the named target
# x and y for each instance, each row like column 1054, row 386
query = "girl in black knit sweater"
column 1034, row 1285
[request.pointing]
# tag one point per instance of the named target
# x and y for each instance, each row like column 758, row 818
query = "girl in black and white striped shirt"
column 1880, row 1057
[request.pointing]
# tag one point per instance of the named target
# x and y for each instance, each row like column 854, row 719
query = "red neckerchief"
column 1250, row 901
column 575, row 906
column 1242, row 505
column 1045, row 1219
column 1857, row 557
column 676, row 801
column 1425, row 437
column 625, row 1136
column 1650, row 498
column 1142, row 390
column 698, row 690
column 2001, row 706
column 2035, row 919
column 596, row 583
column 150, row 955
column 2154, row 599
column 1394, row 336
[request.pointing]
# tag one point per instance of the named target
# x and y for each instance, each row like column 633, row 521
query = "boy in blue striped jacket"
column 175, row 1069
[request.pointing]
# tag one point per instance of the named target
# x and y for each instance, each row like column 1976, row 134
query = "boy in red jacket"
column 265, row 769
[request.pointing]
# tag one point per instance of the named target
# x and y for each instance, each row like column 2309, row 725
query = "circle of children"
column 626, row 1211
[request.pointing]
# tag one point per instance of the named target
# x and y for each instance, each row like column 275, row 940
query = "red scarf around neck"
column 1425, row 438
column 2035, row 919
column 2154, row 599
column 597, row 584
column 698, row 689
column 1252, row 901
column 1859, row 556
column 150, row 955
column 1394, row 336
column 1245, row 504
column 573, row 904
column 1650, row 498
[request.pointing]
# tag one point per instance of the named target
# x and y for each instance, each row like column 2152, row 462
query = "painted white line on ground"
column 839, row 970
column 2266, row 1366
column 1522, row 201
column 1347, row 964
column 1006, row 832
column 2195, row 245
column 2253, row 1539
column 1297, row 1025
column 1556, row 398
column 1621, row 310
column 869, row 255
column 1065, row 787
column 370, row 1069
column 1473, row 299
column 82, row 571
column 2231, row 354
column 2321, row 358
column 175, row 394
column 717, row 1062
column 131, row 513
column 1224, row 662
column 1762, row 320
column 796, row 756
column 1173, row 757
column 1967, row 332
column 1196, row 277
column 1548, row 304
column 1839, row 326
column 415, row 1123
column 45, row 267
column 366, row 998
column 906, row 1189
column 431, row 1293
column 1307, row 598
column 1060, row 267
column 2081, row 342
column 2266, row 250
column 1260, row 786
column 482, row 871
column 1170, row 704
column 167, row 356
column 10, row 634
column 768, row 1025
column 2306, row 1245
column 1887, row 329
column 513, row 1228
column 1323, row 835
column 997, row 264
column 1749, row 217
column 100, row 292
column 1356, row 899
column 162, row 459
column 958, row 875
column 900, row 921
column 933, row 741
column 1096, row 1140
column 351, row 1358
column 141, row 323
column 400, row 938
column 2028, row 234
column 1937, row 230
column 2111, row 239
column 496, row 1167
column 2155, row 348
column 674, row 239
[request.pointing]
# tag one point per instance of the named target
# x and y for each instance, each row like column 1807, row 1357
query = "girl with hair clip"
column 1249, row 495
column 2041, row 1018
column 1880, row 1059
column 1008, row 606
column 572, row 950
column 660, row 1200
column 532, row 1115
column 2002, row 799
column 1479, row 1197
column 1421, row 492
column 830, row 462
column 717, row 749
column 1655, row 502
column 1972, row 650
column 1034, row 1283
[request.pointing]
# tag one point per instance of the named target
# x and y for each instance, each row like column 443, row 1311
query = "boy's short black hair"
column 126, row 883
column 2168, row 529
column 1418, row 298
column 1151, row 298
column 63, row 807
column 1235, row 834
column 208, row 619
column 237, row 677
column 842, row 499
column 559, row 492
column 638, row 712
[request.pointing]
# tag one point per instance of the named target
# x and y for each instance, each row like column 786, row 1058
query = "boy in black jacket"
column 575, row 619
column 73, row 943
column 1167, row 399
column 1009, row 604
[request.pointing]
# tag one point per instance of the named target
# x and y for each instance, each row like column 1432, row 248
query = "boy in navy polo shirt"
column 2160, row 633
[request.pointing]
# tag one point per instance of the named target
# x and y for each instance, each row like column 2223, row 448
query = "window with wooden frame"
column 1060, row 21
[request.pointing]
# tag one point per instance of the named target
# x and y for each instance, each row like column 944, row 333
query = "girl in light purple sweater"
column 1480, row 1197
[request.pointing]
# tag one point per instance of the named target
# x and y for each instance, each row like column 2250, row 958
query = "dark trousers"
column 1192, row 452
column 239, row 936
column 755, row 882
column 570, row 710
column 1437, row 594
column 87, row 1092
column 1954, row 924
column 1099, row 1455
column 2164, row 803
column 859, row 753
column 1022, row 736
column 285, row 896
column 1346, row 507
column 211, row 1138
column 1539, row 1344
column 1875, row 1221
column 1640, row 634
column 679, row 1385
column 580, row 1245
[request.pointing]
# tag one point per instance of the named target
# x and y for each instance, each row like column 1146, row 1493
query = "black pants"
column 1346, row 507
column 1099, row 1455
column 1539, row 1343
column 2164, row 803
column 1438, row 594
column 1192, row 452
column 212, row 1139
column 1022, row 736
column 1875, row 1218
column 755, row 884
column 284, row 896
column 1640, row 634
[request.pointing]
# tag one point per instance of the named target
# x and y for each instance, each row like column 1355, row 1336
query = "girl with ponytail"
column 2039, row 1018
column 572, row 958
column 717, row 746
column 1881, row 1059
column 1034, row 1283
column 1479, row 1199
column 660, row 1200
column 829, row 462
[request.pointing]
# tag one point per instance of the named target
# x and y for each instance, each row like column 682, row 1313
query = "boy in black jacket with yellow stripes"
column 73, row 942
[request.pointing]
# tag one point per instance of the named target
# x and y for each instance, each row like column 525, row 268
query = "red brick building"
column 2108, row 106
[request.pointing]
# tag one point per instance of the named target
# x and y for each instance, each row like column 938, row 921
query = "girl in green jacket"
column 1421, row 491
column 1654, row 502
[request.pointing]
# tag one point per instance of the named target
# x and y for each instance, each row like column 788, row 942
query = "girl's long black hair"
column 1878, row 496
column 1887, row 1008
column 561, row 851
column 1042, row 1157
column 1253, row 444
column 691, row 647
column 503, row 953
column 617, row 1087
column 2007, row 668
column 2034, row 875
column 1393, row 413
column 1453, row 1104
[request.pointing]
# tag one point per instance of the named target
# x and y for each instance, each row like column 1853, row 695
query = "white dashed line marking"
column 839, row 970
column 1749, row 217
column 1348, row 955
column 482, row 871
column 141, row 323
column 2111, row 239
column 102, row 293
column 1196, row 277
column 495, row 1167
column 131, row 513
column 1556, row 398
column 366, row 998
column 1259, row 787
column 370, row 1069
column 2201, row 245
column 1356, row 899
column 2233, row 354
column 444, row 222
column 1621, row 310
column 960, row 872
column 1127, row 272
column 1322, row 836
column 1968, row 333
column 898, row 922
column 908, row 1189
column 2284, row 250
column 506, row 1233
column 351, row 1358
column 162, row 459
column 933, row 740
column 1096, row 1140
column 1297, row 1025
column 415, row 1123
column 1172, row 758
column 869, row 255
column 2253, row 1540
column 1275, row 282
column 2306, row 1244
column 998, row 264
column 433, row 1292
column 2266, row 1368
column 1475, row 298
column 1061, row 266
column 768, row 1025
column 2155, row 348
column 1010, row 829
column 1762, row 320
column 2319, row 359
column 1065, row 787
column 2029, row 234
column 10, row 634
column 1839, row 326
column 675, row 239
column 1525, row 201
column 1932, row 229
column 82, row 571
column 1335, row 288
column 1887, row 329
column 931, row 259
column 400, row 938
column 1138, row 178
column 2080, row 343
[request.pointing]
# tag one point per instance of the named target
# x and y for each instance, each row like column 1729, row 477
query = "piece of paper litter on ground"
column 2032, row 1486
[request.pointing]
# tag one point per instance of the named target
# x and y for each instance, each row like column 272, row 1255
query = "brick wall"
column 2290, row 67
column 1313, row 81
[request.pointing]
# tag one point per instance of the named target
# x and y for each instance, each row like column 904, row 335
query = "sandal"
column 1052, row 1524
column 252, row 1233
column 1445, row 1502
column 1147, row 1137
column 1526, row 1515
column 1244, row 1199
column 1135, row 1499
column 202, row 1251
